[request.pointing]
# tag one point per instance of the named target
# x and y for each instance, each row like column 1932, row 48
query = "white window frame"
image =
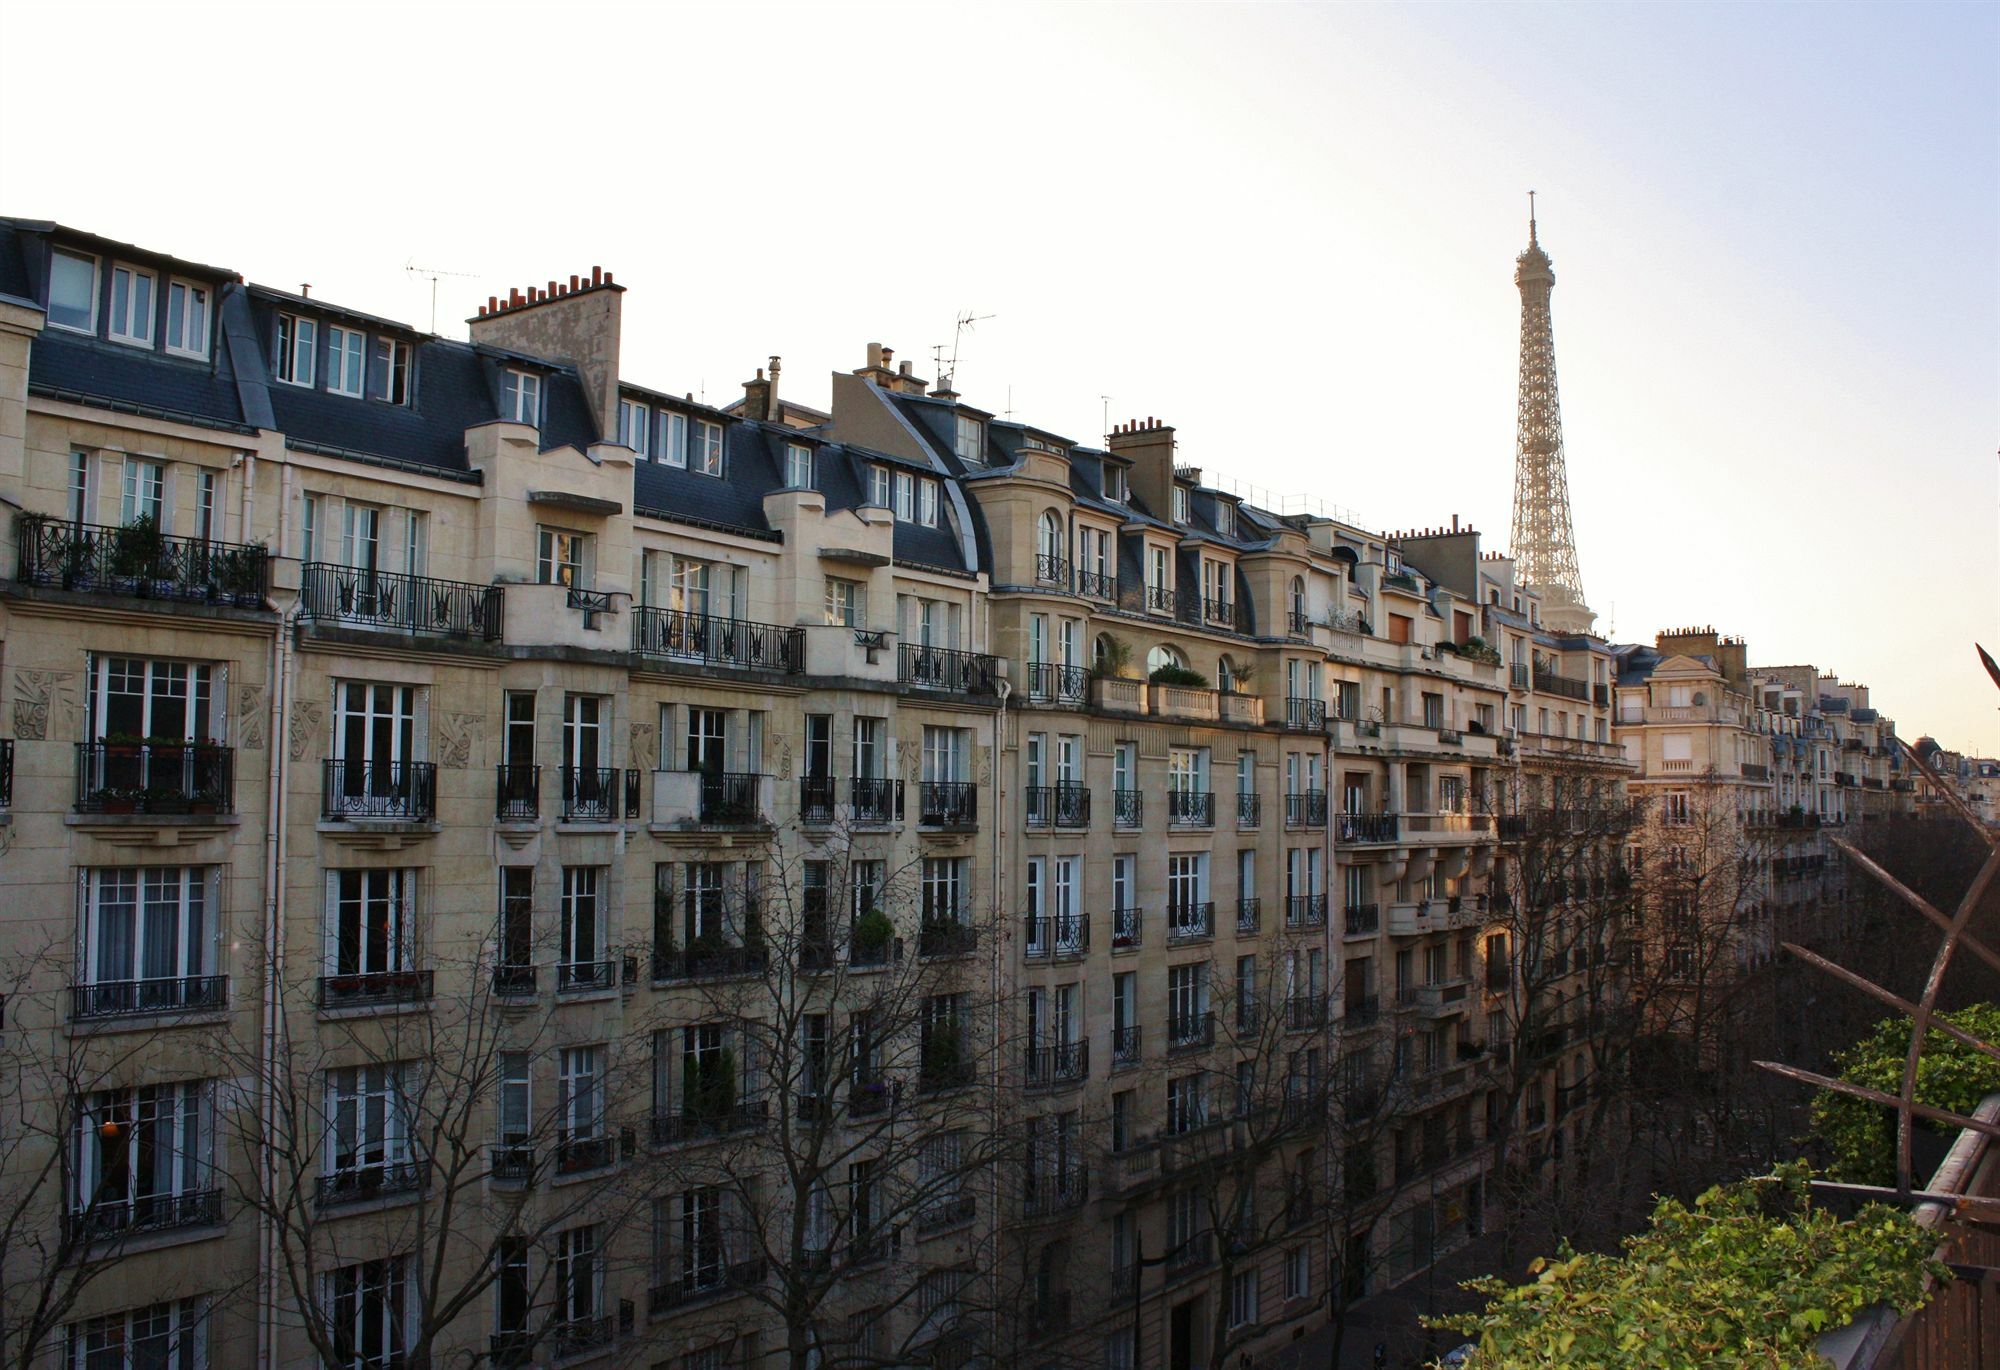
column 119, row 329
column 192, row 340
column 90, row 263
column 136, row 502
column 298, row 341
column 136, row 1336
column 879, row 486
column 372, row 892
column 927, row 503
column 521, row 398
column 906, row 497
column 708, row 456
column 635, row 427
column 798, row 466
column 386, row 1283
column 580, row 1099
column 969, row 439
column 368, row 1118
column 346, row 361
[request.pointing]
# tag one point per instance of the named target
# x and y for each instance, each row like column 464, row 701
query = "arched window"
column 1225, row 675
column 1298, row 604
column 1049, row 536
column 1162, row 656
column 1104, row 654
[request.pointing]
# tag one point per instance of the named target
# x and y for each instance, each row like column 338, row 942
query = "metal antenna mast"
column 1543, row 543
column 432, row 273
column 960, row 328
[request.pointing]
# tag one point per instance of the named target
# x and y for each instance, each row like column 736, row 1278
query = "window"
column 1180, row 504
column 579, row 1275
column 187, row 319
column 798, row 466
column 582, row 965
column 513, row 1294
column 708, row 447
column 365, row 1304
column 146, row 940
column 878, row 486
column 846, row 602
column 1115, row 488
column 132, row 305
column 73, row 291
column 927, row 503
column 1298, row 1273
column 516, row 1114
column 79, row 487
column 346, row 351
column 204, row 508
column 143, row 1158
column 970, row 445
column 368, row 1129
column 389, row 371
column 579, row 1100
column 298, row 345
column 563, row 558
column 368, row 928
column 1225, row 519
column 673, row 439
column 906, row 497
column 521, row 398
column 635, row 427
column 1243, row 1299
column 144, row 492
column 160, row 1336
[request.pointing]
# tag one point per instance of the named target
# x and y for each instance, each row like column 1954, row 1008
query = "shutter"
column 167, row 482
column 420, row 732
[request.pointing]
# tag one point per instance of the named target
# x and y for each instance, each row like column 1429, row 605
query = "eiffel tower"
column 1544, row 547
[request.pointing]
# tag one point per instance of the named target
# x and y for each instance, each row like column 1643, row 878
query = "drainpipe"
column 998, row 958
column 274, row 916
column 248, row 512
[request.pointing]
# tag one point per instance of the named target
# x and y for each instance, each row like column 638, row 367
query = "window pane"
column 71, row 284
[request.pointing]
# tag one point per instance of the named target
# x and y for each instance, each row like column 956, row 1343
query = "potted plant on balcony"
column 944, row 1057
column 872, row 933
column 136, row 547
column 711, row 1088
column 1113, row 659
column 237, row 576
column 1179, row 675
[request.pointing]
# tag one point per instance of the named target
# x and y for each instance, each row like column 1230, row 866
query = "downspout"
column 999, row 956
column 247, row 524
column 274, row 915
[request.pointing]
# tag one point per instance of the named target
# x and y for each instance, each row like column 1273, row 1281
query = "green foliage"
column 872, row 931
column 135, row 548
column 1950, row 1075
column 1114, row 659
column 1179, row 675
column 1747, row 1277
column 711, row 1085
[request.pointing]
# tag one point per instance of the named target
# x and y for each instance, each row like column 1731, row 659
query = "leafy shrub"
column 872, row 930
column 1747, row 1277
column 1950, row 1075
column 1178, row 675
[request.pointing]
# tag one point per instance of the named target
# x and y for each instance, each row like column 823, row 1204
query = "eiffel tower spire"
column 1543, row 545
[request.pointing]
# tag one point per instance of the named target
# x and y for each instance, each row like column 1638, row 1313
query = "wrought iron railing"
column 1128, row 927
column 513, row 981
column 368, row 989
column 583, row 977
column 1305, row 809
column 1128, row 808
column 816, row 799
column 680, row 635
column 1060, row 1064
column 1221, row 611
column 876, row 800
column 1051, row 570
column 1354, row 828
column 942, row 668
column 1047, row 1193
column 1191, row 808
column 1188, row 921
column 355, row 1184
column 1305, row 715
column 1049, row 683
column 357, row 788
column 595, row 794
column 1066, row 805
column 1065, row 935
column 140, row 560
column 154, row 777
column 1305, row 1012
column 731, row 797
column 517, row 793
column 1097, row 585
column 163, row 994
column 946, row 936
column 104, row 1218
column 1249, row 915
column 1298, row 623
column 1187, row 1031
column 1305, row 911
column 401, row 603
column 1363, row 919
column 1125, row 1046
column 1548, row 682
column 947, row 803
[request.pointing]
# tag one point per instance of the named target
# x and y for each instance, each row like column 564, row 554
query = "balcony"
column 1052, row 1067
column 705, row 1122
column 358, row 1184
column 375, row 990
column 947, row 804
column 1305, row 1012
column 574, row 1155
column 1298, row 623
column 1417, row 826
column 1363, row 829
column 154, row 778
column 586, row 977
column 103, row 1219
column 1305, row 809
column 1548, row 682
column 1190, row 922
column 1196, row 1253
column 816, row 800
column 1305, row 715
column 578, row 1336
column 391, row 791
column 595, row 794
column 939, row 937
column 1125, row 1045
column 1363, row 920
column 391, row 602
column 517, row 794
column 1128, row 808
column 1052, row 684
column 706, row 1283
column 1128, row 927
column 1050, row 1192
column 702, row 639
column 708, row 959
column 1305, row 911
column 1249, row 811
column 1442, row 999
column 1360, row 1010
column 1057, row 938
column 1190, row 1031
column 1249, row 917
column 1190, row 808
column 1066, row 805
column 874, row 800
column 1119, row 695
column 711, row 799
column 1097, row 585
column 140, row 561
column 103, row 999
column 510, row 1163
column 940, row 668
column 1517, row 675
column 1189, row 702
column 1052, row 571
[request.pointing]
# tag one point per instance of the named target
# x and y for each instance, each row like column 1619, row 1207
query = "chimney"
column 1149, row 446
column 579, row 325
column 775, row 413
column 757, row 398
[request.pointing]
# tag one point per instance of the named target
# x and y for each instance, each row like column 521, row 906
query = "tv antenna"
column 960, row 328
column 432, row 273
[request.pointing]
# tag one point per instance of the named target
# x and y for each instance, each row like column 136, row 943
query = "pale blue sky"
column 1288, row 230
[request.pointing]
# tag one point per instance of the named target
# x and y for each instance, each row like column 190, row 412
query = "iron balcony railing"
column 1362, row 1008
column 1066, row 805
column 1127, row 928
column 947, row 803
column 1065, row 935
column 1249, row 916
column 944, row 935
column 1052, row 570
column 714, row 1281
column 731, row 797
column 1221, row 611
column 511, row 1162
column 697, row 1122
column 1125, row 1044
column 1298, row 623
column 355, row 1184
column 1305, row 1012
column 154, row 777
column 1162, row 599
column 584, row 977
column 1061, row 1064
column 1128, row 808
column 1356, row 828
column 1050, row 683
column 595, row 794
column 140, row 560
column 679, row 635
column 576, row 1153
column 399, row 602
column 517, row 796
column 816, row 799
column 1050, row 1192
column 942, row 668
column 1191, row 808
column 876, row 800
column 1188, row 921
column 104, row 1218
column 1249, row 810
column 1305, row 715
column 375, row 988
column 131, row 998
column 1548, row 682
column 1363, row 919
column 1305, row 809
column 357, row 788
column 1097, row 585
column 1189, row 1031
column 513, row 981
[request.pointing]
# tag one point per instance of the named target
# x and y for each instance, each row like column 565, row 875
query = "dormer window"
column 971, row 445
column 187, row 319
column 927, row 503
column 132, row 306
column 673, row 435
column 708, row 447
column 521, row 398
column 635, row 428
column 346, row 347
column 298, row 344
column 1180, row 504
column 906, row 496
column 1114, row 483
column 73, row 291
column 798, row 466
column 1225, row 520
column 390, row 377
column 878, row 486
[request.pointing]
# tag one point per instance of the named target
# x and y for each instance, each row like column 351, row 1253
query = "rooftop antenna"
column 964, row 325
column 1008, row 412
column 1107, row 416
column 433, row 273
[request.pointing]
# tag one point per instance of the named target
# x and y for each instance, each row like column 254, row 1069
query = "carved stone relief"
column 44, row 705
